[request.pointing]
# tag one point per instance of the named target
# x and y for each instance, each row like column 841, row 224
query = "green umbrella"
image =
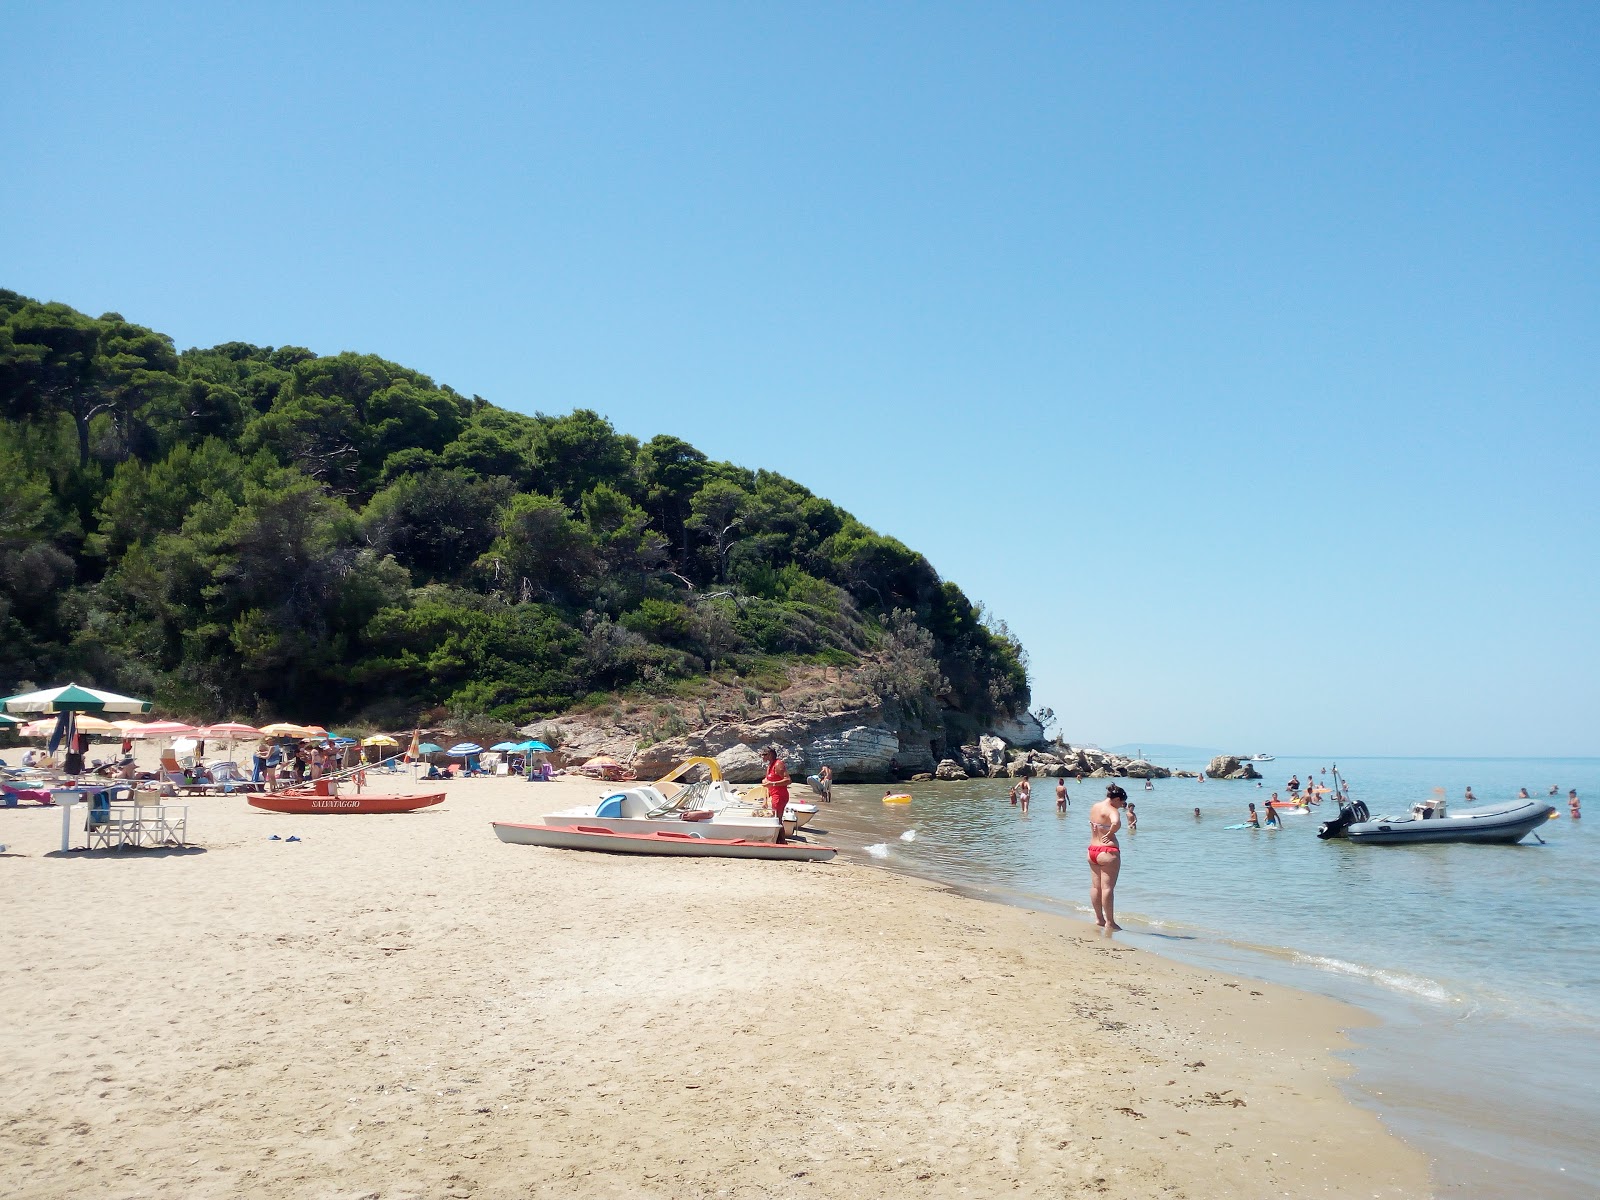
column 73, row 698
column 429, row 748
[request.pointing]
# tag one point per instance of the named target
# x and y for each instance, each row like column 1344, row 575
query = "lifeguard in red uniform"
column 777, row 781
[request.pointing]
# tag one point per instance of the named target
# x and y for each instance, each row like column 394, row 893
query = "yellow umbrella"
column 285, row 729
column 379, row 739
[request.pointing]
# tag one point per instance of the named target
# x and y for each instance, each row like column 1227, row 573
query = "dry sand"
column 403, row 1006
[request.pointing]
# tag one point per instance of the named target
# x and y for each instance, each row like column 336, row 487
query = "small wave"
column 880, row 850
column 1395, row 981
column 909, row 835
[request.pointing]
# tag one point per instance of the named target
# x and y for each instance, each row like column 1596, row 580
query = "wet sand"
column 403, row 1006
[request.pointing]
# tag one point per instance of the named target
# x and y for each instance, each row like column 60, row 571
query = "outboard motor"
column 1351, row 812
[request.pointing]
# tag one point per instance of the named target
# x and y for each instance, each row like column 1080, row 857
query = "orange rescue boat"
column 324, row 797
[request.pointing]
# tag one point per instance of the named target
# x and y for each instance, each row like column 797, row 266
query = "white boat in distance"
column 673, row 843
column 1261, row 758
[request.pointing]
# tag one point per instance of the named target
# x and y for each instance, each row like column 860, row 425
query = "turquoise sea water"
column 1483, row 962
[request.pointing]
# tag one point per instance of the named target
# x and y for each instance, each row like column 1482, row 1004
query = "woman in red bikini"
column 1105, row 856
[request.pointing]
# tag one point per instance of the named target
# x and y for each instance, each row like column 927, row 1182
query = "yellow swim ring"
column 898, row 798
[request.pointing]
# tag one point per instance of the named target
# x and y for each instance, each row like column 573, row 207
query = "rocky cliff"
column 866, row 743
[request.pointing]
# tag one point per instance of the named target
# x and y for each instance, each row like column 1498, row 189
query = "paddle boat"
column 1430, row 821
column 709, row 808
column 324, row 796
column 674, row 842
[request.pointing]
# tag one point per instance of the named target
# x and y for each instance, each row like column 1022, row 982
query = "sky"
column 1241, row 357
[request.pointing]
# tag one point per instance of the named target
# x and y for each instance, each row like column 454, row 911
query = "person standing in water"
column 777, row 781
column 1105, row 856
column 1024, row 793
column 1062, row 799
column 826, row 777
column 1272, row 817
column 1522, row 794
column 1133, row 820
column 1254, row 818
column 1469, row 797
column 1572, row 804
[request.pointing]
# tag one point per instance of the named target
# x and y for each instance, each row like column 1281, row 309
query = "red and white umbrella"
column 227, row 731
column 159, row 729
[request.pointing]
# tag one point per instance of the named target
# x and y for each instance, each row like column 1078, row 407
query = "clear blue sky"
column 1242, row 357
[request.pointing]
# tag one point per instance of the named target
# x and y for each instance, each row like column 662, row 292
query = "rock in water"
column 949, row 768
column 1230, row 766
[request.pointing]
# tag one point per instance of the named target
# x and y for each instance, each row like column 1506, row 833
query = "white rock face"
column 994, row 752
column 743, row 764
column 1023, row 732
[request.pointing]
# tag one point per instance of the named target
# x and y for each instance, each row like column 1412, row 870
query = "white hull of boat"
column 659, row 843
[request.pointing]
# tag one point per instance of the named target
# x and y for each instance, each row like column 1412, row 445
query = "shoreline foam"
column 403, row 1005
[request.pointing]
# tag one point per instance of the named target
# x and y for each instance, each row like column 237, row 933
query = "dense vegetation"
column 264, row 532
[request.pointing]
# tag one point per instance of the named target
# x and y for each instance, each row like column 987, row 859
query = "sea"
column 1481, row 963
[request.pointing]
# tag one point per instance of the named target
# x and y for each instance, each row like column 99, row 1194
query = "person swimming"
column 1469, row 796
column 1523, row 794
column 1197, row 814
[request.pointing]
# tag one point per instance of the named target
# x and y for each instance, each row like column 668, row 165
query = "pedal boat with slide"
column 1430, row 821
column 680, row 843
column 709, row 808
column 327, row 796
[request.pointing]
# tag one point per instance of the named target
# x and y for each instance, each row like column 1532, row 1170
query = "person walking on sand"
column 777, row 781
column 1062, row 799
column 1105, row 856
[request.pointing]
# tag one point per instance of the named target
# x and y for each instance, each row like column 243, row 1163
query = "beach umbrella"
column 429, row 748
column 530, row 744
column 45, row 726
column 285, row 729
column 7, row 719
column 462, row 749
column 159, row 729
column 227, row 731
column 379, row 739
column 602, row 760
column 72, row 698
column 502, row 747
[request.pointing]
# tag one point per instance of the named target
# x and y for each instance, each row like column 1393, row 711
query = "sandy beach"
column 403, row 1006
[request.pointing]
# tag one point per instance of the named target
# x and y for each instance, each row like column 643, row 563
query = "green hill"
column 262, row 532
